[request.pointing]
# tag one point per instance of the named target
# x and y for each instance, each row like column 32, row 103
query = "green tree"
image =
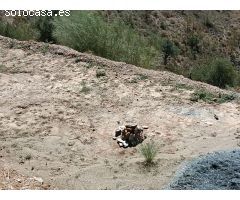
column 219, row 72
column 193, row 42
column 169, row 50
column 222, row 73
column 45, row 28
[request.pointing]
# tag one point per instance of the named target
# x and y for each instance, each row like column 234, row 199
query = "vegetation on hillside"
column 197, row 44
column 219, row 72
column 114, row 40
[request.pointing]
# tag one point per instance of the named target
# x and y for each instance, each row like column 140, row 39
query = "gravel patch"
column 214, row 171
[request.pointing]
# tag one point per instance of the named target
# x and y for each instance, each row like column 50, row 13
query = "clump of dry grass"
column 149, row 152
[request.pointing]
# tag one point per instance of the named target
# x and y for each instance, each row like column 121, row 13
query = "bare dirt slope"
column 57, row 118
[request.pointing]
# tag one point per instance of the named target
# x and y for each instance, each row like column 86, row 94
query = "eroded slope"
column 59, row 109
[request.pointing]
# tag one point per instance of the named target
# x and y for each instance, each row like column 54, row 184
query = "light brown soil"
column 57, row 119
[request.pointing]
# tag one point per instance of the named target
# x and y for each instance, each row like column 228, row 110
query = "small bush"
column 142, row 76
column 193, row 42
column 44, row 26
column 3, row 68
column 149, row 151
column 44, row 49
column 219, row 72
column 226, row 98
column 85, row 89
column 203, row 95
column 208, row 23
column 163, row 26
column 222, row 73
column 180, row 86
column 100, row 72
column 28, row 157
column 210, row 97
column 169, row 50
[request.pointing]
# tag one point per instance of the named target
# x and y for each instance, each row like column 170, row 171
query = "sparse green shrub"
column 219, row 72
column 208, row 23
column 85, row 89
column 210, row 97
column 44, row 26
column 44, row 48
column 193, row 42
column 222, row 73
column 88, row 31
column 169, row 50
column 203, row 95
column 100, row 72
column 21, row 30
column 138, row 77
column 142, row 76
column 180, row 86
column 3, row 68
column 28, row 157
column 149, row 151
column 163, row 26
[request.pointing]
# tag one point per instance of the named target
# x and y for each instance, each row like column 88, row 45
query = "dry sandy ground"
column 57, row 119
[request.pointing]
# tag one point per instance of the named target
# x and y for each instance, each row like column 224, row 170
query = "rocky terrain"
column 59, row 109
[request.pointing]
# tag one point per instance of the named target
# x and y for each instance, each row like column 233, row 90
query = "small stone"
column 214, row 134
column 120, row 144
column 216, row 117
column 122, row 127
column 157, row 132
column 18, row 180
column 209, row 123
column 71, row 143
column 131, row 125
column 38, row 179
column 118, row 132
column 145, row 127
column 120, row 140
column 237, row 137
column 18, row 112
column 125, row 144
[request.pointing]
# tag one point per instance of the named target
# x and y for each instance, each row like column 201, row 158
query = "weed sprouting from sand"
column 100, row 73
column 85, row 89
column 28, row 157
column 180, row 86
column 2, row 68
column 149, row 152
column 142, row 76
column 44, row 49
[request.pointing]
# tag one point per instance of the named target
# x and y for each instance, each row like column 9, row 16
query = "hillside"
column 216, row 33
column 137, row 37
column 59, row 109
